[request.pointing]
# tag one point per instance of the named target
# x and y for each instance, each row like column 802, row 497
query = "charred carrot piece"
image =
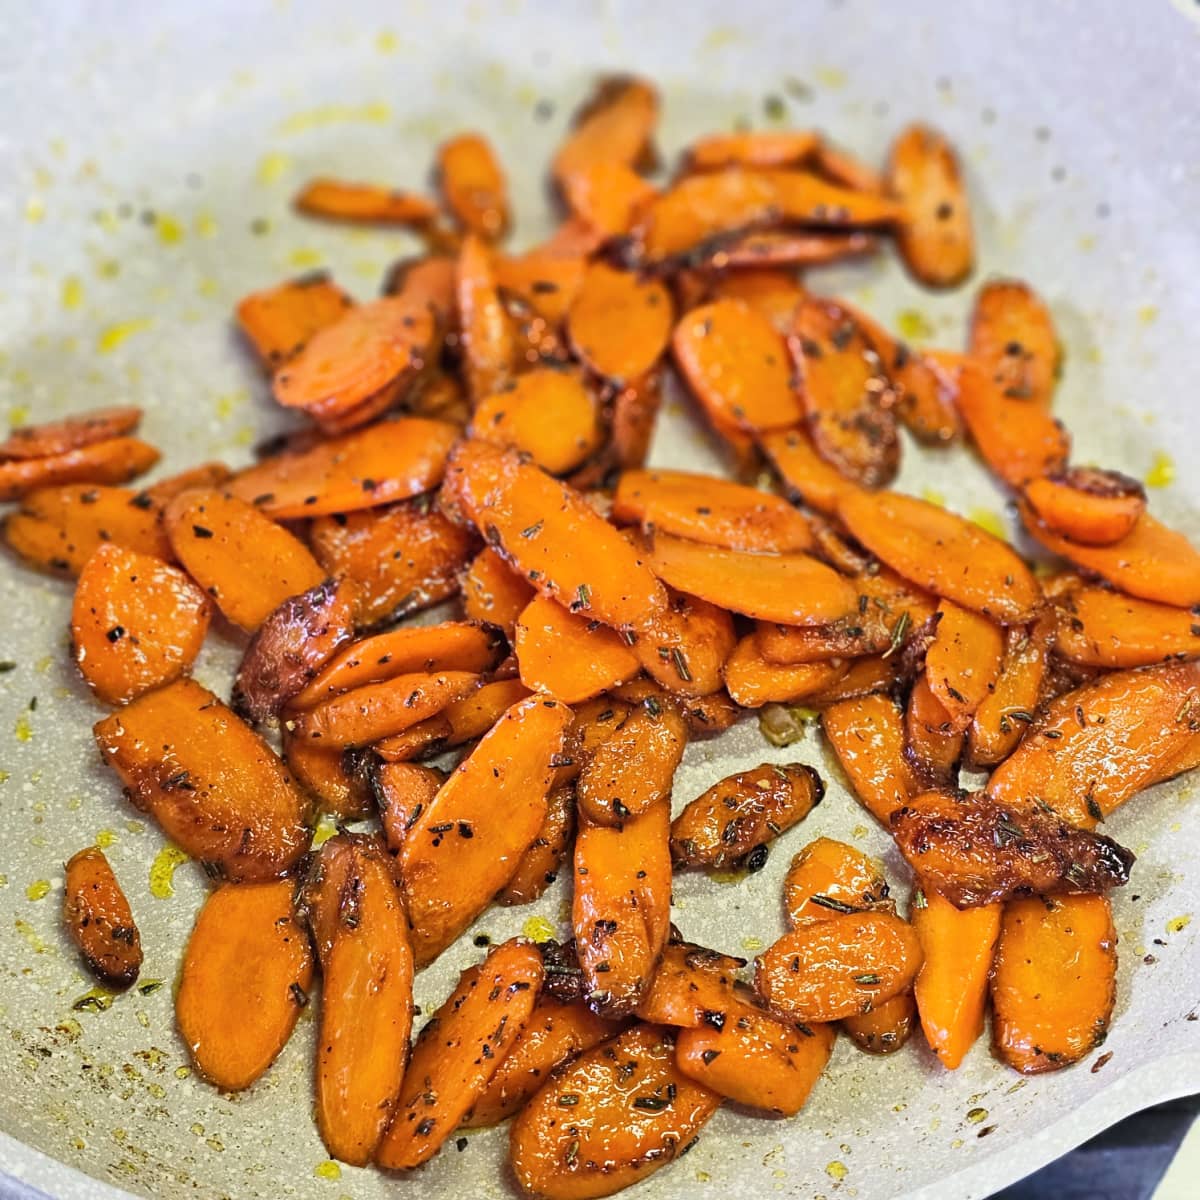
column 616, row 124
column 333, row 777
column 1013, row 338
column 114, row 460
column 214, row 786
column 839, row 166
column 785, row 248
column 607, row 195
column 493, row 592
column 364, row 203
column 771, row 291
column 1099, row 628
column 886, row 1027
column 136, row 623
column 806, row 476
column 934, row 738
column 963, row 661
column 1086, row 505
column 752, row 681
column 761, row 148
column 686, row 648
column 539, row 866
column 863, row 677
column 205, row 475
column 99, row 920
column 473, row 185
column 691, row 985
column 827, row 878
column 867, row 735
column 426, row 281
column 488, row 340
column 706, row 716
column 246, row 976
column 545, row 278
column 935, row 236
column 280, row 321
column 70, row 433
column 619, row 324
column 1054, row 981
column 244, row 561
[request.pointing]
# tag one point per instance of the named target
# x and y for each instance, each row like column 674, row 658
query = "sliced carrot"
column 752, row 681
column 886, row 1027
column 862, row 677
column 846, row 399
column 593, row 723
column 806, row 476
column 1013, row 338
column 952, row 986
column 489, row 346
column 203, row 475
column 245, row 979
column 1152, row 562
column 782, row 248
column 1054, row 983
column 771, row 291
column 114, row 460
column 706, row 716
column 761, row 148
column 427, row 281
column 736, row 365
column 365, row 203
column 619, row 324
column 935, row 236
column 1100, row 744
column 334, row 777
column 494, row 592
column 70, row 433
column 615, row 125
column 1099, row 628
column 691, row 985
column 839, row 166
column 867, row 735
column 402, row 791
column 246, row 563
column 546, row 278
column 685, row 649
column 827, row 878
column 934, row 738
column 963, row 661
column 634, row 410
column 214, row 786
column 473, row 185
column 99, row 920
column 736, row 818
column 607, row 194
column 943, row 553
column 1086, row 505
column 539, row 866
column 280, row 321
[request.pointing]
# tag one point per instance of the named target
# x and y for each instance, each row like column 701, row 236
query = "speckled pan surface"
column 147, row 153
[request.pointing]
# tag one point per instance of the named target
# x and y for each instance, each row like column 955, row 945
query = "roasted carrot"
column 212, row 784
column 246, row 976
column 205, row 475
column 761, row 148
column 1100, row 628
column 706, row 716
column 489, row 346
column 782, row 248
column 1013, row 338
column 863, row 677
column 364, row 203
column 1087, row 505
column 963, row 661
column 280, row 321
column 114, row 460
column 473, row 185
column 136, row 623
column 246, row 563
column 607, row 195
column 335, row 778
column 426, row 281
column 691, row 985
column 752, row 681
column 867, row 735
column 827, row 878
column 494, row 592
column 539, row 866
column 952, row 985
column 70, row 433
column 99, row 920
column 685, row 648
column 806, row 476
column 839, row 166
column 934, row 737
column 616, row 124
column 1054, row 982
column 402, row 791
column 546, row 278
column 773, row 292
column 886, row 1027
column 618, row 324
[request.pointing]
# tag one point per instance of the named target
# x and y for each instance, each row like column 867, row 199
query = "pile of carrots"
column 478, row 435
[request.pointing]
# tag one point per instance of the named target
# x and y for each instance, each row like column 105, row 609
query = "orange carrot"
column 334, row 777
column 691, row 985
column 886, row 1027
column 963, row 661
column 618, row 324
column 867, row 735
column 538, row 867
column 706, row 716
column 402, row 791
column 782, row 248
column 112, row 461
column 933, row 738
column 774, row 148
column 615, row 125
column 428, row 281
column 1099, row 628
column 1086, row 505
column 607, row 195
column 806, row 476
column 827, row 878
column 547, row 279
column 487, row 335
column 494, row 592
column 752, row 681
column 685, row 649
column 99, row 920
column 70, row 433
column 772, row 292
column 365, row 203
column 840, row 166
column 280, row 321
column 473, row 184
column 1013, row 338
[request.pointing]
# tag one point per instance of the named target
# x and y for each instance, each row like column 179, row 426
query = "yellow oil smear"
column 985, row 518
column 327, row 1170
column 375, row 112
column 933, row 496
column 722, row 36
column 386, row 42
column 208, row 287
column 104, row 839
column 39, row 889
column 97, row 999
column 1087, row 243
column 913, row 325
column 727, row 877
column 205, row 225
column 976, row 1115
column 227, row 403
column 753, row 944
column 830, row 77
column 108, row 269
column 115, row 335
column 245, row 436
column 326, row 828
column 72, row 292
column 273, row 167
column 305, row 257
column 1148, row 314
column 35, row 209
column 538, row 929
column 23, row 729
column 30, row 935
column 18, row 415
column 837, row 1170
column 169, row 230
column 162, row 871
column 1162, row 470
column 1178, row 924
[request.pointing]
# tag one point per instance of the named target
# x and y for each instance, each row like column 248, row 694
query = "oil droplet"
column 273, row 167
column 30, row 935
column 70, row 1029
column 723, row 35
column 18, row 415
column 214, row 1143
column 985, row 518
column 104, row 839
column 304, row 257
column 196, row 1128
column 72, row 292
column 162, row 871
column 837, row 1170
column 752, row 944
column 182, row 1072
column 156, row 1090
column 208, row 287
column 96, row 999
column 976, row 1115
column 1177, row 924
column 933, row 496
column 225, row 404
column 1087, row 243
column 23, row 729
column 35, row 209
column 115, row 335
column 327, row 1170
column 830, row 77
column 1162, row 470
column 326, row 828
column 703, row 1177
column 39, row 889
column 205, row 225
column 538, row 929
column 386, row 42
column 170, row 232
column 1148, row 314
column 913, row 325
column 728, row 877
column 375, row 112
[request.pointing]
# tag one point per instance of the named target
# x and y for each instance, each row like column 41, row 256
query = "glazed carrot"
column 546, row 278
column 944, row 553
column 392, row 460
column 1099, row 628
column 867, row 735
column 136, row 623
column 782, row 248
column 621, row 907
column 706, row 716
column 450, row 646
column 685, row 649
column 569, row 656
column 952, row 985
column 862, row 677
column 593, row 723
column 549, row 414
column 762, row 148
column 493, row 592
column 70, row 433
column 486, row 331
column 618, row 324
column 1098, row 745
column 99, row 920
column 827, row 878
column 692, row 985
column 466, row 844
column 752, row 681
column 441, row 397
column 710, row 510
column 402, row 791
column 473, row 185
column 212, row 784
column 615, row 125
column 292, row 645
column 963, row 661
column 886, row 1027
column 736, row 819
column 1086, row 505
column 538, row 867
column 246, row 976
column 631, row 771
column 404, row 558
column 934, row 236
column 246, row 563
column 365, row 203
column 203, row 475
column 846, row 400
column 459, row 1050
column 280, row 321
column 554, row 537
column 831, row 969
column 754, row 1060
column 933, row 737
column 607, row 194
column 736, row 365
column 1018, row 440
column 841, row 167
column 333, row 777
column 793, row 589
column 1013, row 338
column 426, row 281
column 806, row 476
column 1054, row 982
column 112, row 461
column 635, row 1112
column 772, row 292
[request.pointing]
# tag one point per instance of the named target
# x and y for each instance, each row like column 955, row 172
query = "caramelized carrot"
column 538, row 867
column 136, row 623
column 706, row 716
column 402, row 791
column 752, row 681
column 205, row 475
column 70, row 433
column 615, row 125
column 886, row 1027
column 493, row 592
column 1086, row 505
column 99, row 920
column 841, row 167
column 427, row 281
column 685, row 649
column 365, row 203
column 473, row 184
column 933, row 738
column 280, row 321
column 489, row 347
column 546, row 278
column 963, row 661
column 246, row 976
column 1013, row 338
column 334, row 777
column 112, row 461
column 862, row 677
column 827, row 878
column 1006, row 713
column 762, row 148
column 691, row 985
column 782, row 248
column 867, row 735
column 1099, row 628
column 607, row 195
column 618, row 324
column 806, row 476
column 772, row 292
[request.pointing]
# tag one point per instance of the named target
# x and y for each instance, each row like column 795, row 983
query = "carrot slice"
column 841, row 167
column 246, row 975
column 1152, row 562
column 99, row 920
column 943, row 553
column 618, row 324
column 487, row 336
column 593, row 723
column 214, row 786
column 867, row 735
column 752, row 681
column 686, row 648
column 862, row 677
column 963, row 661
column 569, row 656
column 246, row 563
column 761, row 148
column 1086, row 505
column 546, row 278
column 1054, row 984
column 827, row 878
column 112, row 461
column 691, row 985
column 280, row 321
column 365, row 203
column 473, row 184
column 782, row 248
column 933, row 737
column 426, row 282
column 493, row 592
column 772, row 292
column 952, row 986
column 706, row 716
column 607, row 194
column 886, row 1027
column 136, row 623
column 71, row 433
column 735, row 819
column 615, row 125
column 539, row 866
column 402, row 791
column 1013, row 337
column 1099, row 628
column 736, row 365
column 549, row 414
column 205, row 475
column 806, row 476
column 335, row 778
column 846, row 400
column 935, row 236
